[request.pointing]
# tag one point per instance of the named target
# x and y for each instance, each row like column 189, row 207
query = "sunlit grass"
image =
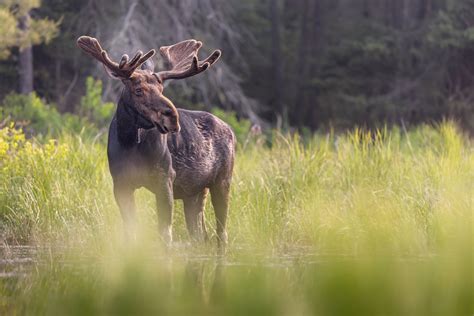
column 367, row 223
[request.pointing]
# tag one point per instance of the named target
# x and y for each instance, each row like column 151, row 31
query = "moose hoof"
column 167, row 236
column 222, row 243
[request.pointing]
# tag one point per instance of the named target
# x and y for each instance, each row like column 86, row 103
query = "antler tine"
column 183, row 61
column 137, row 56
column 108, row 62
column 213, row 57
column 123, row 61
column 124, row 69
column 145, row 57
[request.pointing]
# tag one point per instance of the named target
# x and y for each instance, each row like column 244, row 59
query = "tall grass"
column 368, row 223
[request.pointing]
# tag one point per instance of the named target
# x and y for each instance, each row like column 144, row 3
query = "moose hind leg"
column 220, row 202
column 194, row 215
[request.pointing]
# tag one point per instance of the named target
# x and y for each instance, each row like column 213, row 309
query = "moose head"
column 143, row 86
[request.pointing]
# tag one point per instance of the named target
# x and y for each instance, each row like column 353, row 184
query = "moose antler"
column 182, row 60
column 124, row 69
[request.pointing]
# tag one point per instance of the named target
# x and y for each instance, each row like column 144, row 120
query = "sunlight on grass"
column 366, row 223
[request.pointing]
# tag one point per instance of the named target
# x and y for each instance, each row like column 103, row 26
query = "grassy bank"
column 360, row 223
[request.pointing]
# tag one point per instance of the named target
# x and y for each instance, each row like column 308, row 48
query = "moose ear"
column 148, row 65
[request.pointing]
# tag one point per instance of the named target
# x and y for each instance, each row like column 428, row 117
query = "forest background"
column 305, row 64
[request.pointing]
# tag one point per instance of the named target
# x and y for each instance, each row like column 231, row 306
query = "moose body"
column 174, row 153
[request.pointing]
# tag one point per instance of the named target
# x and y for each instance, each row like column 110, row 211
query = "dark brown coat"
column 174, row 153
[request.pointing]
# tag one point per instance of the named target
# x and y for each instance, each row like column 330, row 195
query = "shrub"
column 92, row 106
column 30, row 111
column 44, row 184
column 38, row 118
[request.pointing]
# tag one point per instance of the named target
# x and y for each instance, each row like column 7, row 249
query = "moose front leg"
column 164, row 204
column 126, row 203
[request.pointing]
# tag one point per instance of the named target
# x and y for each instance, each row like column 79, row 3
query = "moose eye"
column 167, row 112
column 138, row 91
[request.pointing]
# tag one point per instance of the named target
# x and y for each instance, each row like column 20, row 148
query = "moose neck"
column 131, row 126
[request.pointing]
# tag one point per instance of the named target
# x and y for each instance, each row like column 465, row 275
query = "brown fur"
column 175, row 153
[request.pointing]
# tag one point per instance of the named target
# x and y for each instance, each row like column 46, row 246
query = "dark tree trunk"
column 426, row 7
column 25, row 61
column 277, row 66
column 405, row 13
column 395, row 8
column 312, row 117
column 302, row 63
column 366, row 9
column 58, row 85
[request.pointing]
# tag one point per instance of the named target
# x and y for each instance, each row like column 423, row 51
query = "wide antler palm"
column 182, row 60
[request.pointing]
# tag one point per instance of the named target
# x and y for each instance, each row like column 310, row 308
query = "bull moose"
column 174, row 153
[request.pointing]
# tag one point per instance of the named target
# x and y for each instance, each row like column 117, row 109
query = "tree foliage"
column 40, row 30
column 301, row 63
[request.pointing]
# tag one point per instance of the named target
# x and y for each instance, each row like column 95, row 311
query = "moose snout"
column 172, row 124
column 176, row 127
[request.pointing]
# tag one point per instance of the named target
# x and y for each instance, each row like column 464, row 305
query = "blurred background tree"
column 306, row 64
column 20, row 30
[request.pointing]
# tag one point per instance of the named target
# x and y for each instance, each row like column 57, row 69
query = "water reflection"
column 15, row 260
column 204, row 280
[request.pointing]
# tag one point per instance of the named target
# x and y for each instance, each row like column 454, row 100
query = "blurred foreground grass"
column 355, row 224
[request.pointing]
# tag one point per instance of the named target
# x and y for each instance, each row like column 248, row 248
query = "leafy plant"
column 92, row 106
column 38, row 118
column 11, row 35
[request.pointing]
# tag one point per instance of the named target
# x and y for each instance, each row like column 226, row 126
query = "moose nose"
column 177, row 129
